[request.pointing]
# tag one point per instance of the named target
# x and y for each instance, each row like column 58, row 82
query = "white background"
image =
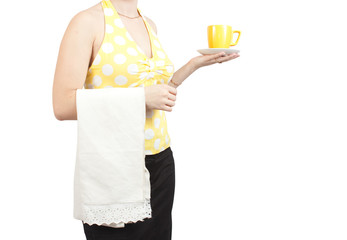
column 259, row 142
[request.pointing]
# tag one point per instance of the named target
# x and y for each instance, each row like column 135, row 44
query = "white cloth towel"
column 111, row 181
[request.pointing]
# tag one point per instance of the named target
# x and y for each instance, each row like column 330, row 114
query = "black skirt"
column 161, row 167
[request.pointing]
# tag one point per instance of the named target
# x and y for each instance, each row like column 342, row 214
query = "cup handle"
column 239, row 32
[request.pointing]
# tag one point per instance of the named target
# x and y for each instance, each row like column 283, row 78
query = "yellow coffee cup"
column 221, row 36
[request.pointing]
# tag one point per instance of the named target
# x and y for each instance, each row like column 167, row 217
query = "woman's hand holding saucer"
column 205, row 60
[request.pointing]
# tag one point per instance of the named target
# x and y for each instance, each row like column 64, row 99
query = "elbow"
column 58, row 114
column 59, row 117
column 64, row 107
column 62, row 113
column 57, row 107
column 59, row 110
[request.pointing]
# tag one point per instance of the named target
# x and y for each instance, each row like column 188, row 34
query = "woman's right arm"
column 72, row 65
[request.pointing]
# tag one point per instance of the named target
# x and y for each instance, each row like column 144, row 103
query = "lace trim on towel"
column 117, row 213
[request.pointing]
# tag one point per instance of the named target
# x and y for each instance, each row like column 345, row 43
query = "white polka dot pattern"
column 149, row 134
column 120, row 62
column 107, row 69
column 107, row 47
column 119, row 58
column 160, row 63
column 109, row 29
column 156, row 143
column 121, row 80
column 119, row 40
column 169, row 69
column 161, row 54
column 108, row 11
column 132, row 51
column 148, row 152
column 97, row 80
column 157, row 122
column 118, row 22
column 133, row 69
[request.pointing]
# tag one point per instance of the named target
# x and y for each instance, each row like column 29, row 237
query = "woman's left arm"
column 197, row 62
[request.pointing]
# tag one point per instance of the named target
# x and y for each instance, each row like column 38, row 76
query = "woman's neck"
column 127, row 7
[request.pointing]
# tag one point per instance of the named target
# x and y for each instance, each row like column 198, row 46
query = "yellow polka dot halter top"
column 120, row 62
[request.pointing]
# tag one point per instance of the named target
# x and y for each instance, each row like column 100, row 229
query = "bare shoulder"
column 150, row 21
column 86, row 21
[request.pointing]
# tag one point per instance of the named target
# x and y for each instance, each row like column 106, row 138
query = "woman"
column 112, row 45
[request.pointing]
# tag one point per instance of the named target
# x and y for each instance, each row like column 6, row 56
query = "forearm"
column 198, row 62
column 64, row 104
column 183, row 73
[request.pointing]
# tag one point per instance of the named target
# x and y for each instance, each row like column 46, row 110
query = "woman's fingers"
column 228, row 57
column 214, row 57
column 172, row 97
column 170, row 103
column 210, row 59
column 172, row 89
column 221, row 57
column 167, row 108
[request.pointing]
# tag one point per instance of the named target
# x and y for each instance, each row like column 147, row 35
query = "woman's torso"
column 120, row 58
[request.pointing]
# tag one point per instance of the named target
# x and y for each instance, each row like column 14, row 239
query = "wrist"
column 173, row 83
